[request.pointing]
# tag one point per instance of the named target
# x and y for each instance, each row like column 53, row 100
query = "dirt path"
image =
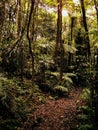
column 60, row 114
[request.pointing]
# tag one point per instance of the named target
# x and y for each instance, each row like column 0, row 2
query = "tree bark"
column 18, row 33
column 70, row 39
column 30, row 38
column 2, row 19
column 59, row 25
column 18, row 18
column 85, row 27
column 59, row 46
column 2, row 13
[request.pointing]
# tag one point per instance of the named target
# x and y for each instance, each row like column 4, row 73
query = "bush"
column 11, row 108
column 7, row 98
column 86, row 95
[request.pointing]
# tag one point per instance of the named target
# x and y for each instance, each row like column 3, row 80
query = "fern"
column 86, row 127
column 61, row 90
column 68, row 79
column 7, row 97
column 83, row 117
column 69, row 48
column 55, row 74
column 86, row 95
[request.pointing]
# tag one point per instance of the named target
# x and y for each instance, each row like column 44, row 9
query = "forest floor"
column 60, row 114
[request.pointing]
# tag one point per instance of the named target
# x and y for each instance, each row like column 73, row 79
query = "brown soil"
column 58, row 114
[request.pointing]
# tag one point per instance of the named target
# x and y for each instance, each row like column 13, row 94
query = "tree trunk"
column 2, row 19
column 59, row 51
column 85, row 27
column 70, row 39
column 2, row 13
column 30, row 38
column 18, row 18
column 59, row 25
column 18, row 33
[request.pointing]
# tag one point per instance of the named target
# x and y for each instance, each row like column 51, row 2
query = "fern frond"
column 55, row 74
column 61, row 88
column 69, row 48
column 68, row 79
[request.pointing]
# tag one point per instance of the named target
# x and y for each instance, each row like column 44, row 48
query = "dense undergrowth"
column 86, row 113
column 12, row 109
column 15, row 109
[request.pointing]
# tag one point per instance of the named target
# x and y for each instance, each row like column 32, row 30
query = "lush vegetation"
column 47, row 47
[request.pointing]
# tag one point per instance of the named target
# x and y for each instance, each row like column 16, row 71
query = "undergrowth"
column 12, row 109
column 86, row 112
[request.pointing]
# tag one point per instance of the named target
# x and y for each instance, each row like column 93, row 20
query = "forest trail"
column 60, row 114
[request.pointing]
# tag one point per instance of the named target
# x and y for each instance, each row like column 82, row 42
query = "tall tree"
column 85, row 27
column 2, row 18
column 30, row 36
column 59, row 45
column 59, row 25
column 18, row 18
column 18, row 31
column 71, row 38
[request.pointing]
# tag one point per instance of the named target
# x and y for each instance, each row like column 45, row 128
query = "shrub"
column 11, row 108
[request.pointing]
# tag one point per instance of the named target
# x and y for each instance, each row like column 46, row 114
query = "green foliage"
column 70, row 48
column 41, row 99
column 94, row 39
column 66, row 84
column 67, row 79
column 83, row 117
column 51, row 2
column 7, row 95
column 61, row 88
column 55, row 74
column 46, row 24
column 86, row 94
column 86, row 109
column 86, row 127
column 66, row 76
column 86, row 116
column 12, row 110
column 9, row 124
column 43, row 35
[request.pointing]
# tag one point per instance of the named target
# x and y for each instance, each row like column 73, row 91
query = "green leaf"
column 69, row 48
column 61, row 88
